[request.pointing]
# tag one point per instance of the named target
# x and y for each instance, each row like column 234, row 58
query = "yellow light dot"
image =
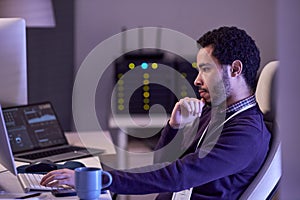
column 121, row 101
column 120, row 107
column 146, row 107
column 131, row 65
column 146, row 88
column 146, row 101
column 194, row 64
column 121, row 88
column 120, row 94
column 120, row 82
column 120, row 75
column 146, row 75
column 183, row 94
column 146, row 82
column 184, row 75
column 146, row 94
column 154, row 65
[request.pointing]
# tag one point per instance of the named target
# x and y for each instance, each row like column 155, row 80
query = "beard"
column 221, row 90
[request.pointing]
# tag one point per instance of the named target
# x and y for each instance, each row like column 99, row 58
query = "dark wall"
column 50, row 62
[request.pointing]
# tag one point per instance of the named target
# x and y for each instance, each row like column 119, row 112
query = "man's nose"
column 198, row 81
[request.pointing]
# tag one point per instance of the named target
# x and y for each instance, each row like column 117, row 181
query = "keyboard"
column 31, row 182
column 44, row 154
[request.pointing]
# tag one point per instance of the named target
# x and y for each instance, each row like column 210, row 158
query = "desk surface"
column 10, row 183
column 96, row 139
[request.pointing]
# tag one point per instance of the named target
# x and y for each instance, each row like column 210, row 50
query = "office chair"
column 265, row 184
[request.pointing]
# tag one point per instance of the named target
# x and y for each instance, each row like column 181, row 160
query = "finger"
column 177, row 107
column 53, row 178
column 192, row 106
column 184, row 104
column 58, row 171
column 194, row 103
column 53, row 184
column 46, row 181
column 197, row 104
column 197, row 108
column 176, row 111
column 202, row 102
column 50, row 174
column 175, row 116
column 58, row 183
column 201, row 105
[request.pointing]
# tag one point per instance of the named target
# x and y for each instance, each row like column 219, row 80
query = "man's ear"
column 236, row 68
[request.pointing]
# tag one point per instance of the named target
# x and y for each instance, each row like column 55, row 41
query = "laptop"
column 28, row 181
column 35, row 134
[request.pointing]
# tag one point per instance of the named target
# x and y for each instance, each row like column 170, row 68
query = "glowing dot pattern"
column 145, row 92
column 154, row 65
column 131, row 65
column 144, row 65
column 194, row 65
column 146, row 88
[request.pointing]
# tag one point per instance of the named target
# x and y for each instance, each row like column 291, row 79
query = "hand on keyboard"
column 31, row 182
column 59, row 177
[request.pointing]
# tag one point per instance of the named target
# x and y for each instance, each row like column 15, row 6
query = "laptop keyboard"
column 54, row 152
column 31, row 182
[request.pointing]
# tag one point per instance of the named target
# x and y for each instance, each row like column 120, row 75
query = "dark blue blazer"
column 220, row 168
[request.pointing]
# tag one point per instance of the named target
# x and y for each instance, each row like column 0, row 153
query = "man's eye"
column 205, row 69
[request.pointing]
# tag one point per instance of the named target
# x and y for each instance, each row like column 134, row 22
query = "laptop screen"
column 33, row 127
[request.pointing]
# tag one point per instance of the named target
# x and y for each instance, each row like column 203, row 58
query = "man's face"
column 212, row 80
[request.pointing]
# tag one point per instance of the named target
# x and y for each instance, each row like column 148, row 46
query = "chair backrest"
column 267, row 179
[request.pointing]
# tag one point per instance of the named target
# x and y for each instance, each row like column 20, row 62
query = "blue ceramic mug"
column 88, row 182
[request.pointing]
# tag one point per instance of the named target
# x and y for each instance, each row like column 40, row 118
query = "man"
column 220, row 153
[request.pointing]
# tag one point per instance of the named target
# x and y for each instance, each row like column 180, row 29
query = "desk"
column 93, row 139
column 10, row 183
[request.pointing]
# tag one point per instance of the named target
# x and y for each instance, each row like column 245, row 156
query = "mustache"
column 202, row 89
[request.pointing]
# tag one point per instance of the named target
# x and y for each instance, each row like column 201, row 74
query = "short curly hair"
column 230, row 44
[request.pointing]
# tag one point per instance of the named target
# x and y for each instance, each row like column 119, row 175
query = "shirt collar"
column 251, row 100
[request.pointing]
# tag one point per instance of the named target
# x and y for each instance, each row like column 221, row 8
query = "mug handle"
column 109, row 177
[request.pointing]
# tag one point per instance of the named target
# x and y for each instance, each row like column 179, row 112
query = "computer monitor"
column 13, row 76
column 6, row 156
